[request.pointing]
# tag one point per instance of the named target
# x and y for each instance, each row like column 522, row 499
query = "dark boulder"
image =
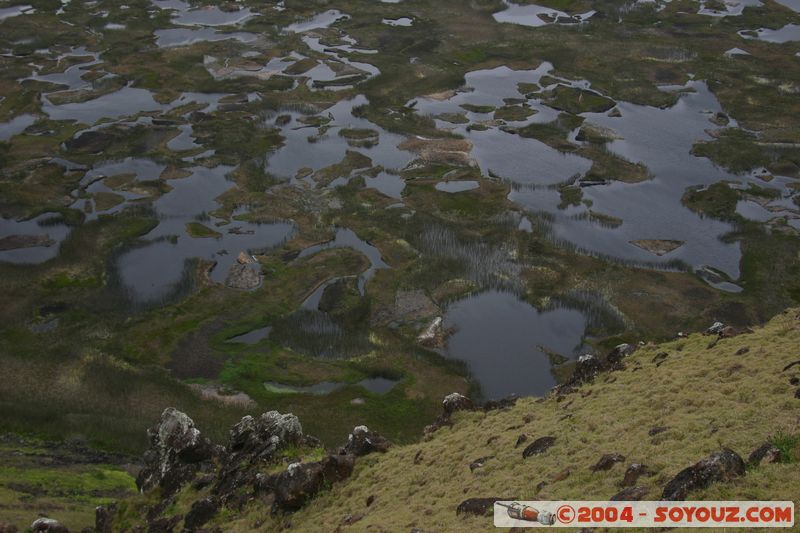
column 538, row 446
column 363, row 441
column 607, row 461
column 766, row 453
column 201, row 512
column 720, row 466
column 478, row 506
column 633, row 473
column 478, row 463
column 175, row 455
column 301, row 481
column 630, row 494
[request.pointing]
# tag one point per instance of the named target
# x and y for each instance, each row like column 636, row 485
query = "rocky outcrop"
column 177, row 452
column 232, row 476
column 720, row 466
column 452, row 403
column 253, row 441
column 362, row 441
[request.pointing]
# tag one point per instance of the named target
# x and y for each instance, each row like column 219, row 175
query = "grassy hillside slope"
column 706, row 397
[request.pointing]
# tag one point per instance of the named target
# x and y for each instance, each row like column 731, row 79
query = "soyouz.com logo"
column 660, row 514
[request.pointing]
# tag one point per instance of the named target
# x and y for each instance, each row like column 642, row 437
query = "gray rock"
column 456, row 402
column 716, row 328
column 41, row 525
column 175, row 453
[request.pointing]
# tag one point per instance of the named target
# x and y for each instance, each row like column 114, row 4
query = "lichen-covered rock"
column 620, row 352
column 720, row 466
column 176, row 452
column 452, row 402
column 456, row 402
column 363, row 441
column 253, row 440
column 48, row 525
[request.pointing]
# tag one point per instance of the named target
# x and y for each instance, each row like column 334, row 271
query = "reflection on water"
column 31, row 241
column 346, row 238
column 456, row 186
column 152, row 272
column 534, row 16
column 330, row 147
column 522, row 160
column 15, row 126
column 501, row 337
column 321, row 20
column 788, row 33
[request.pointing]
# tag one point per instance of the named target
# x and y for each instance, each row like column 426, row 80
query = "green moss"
column 201, row 231
column 717, row 201
column 514, row 113
column 576, row 101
